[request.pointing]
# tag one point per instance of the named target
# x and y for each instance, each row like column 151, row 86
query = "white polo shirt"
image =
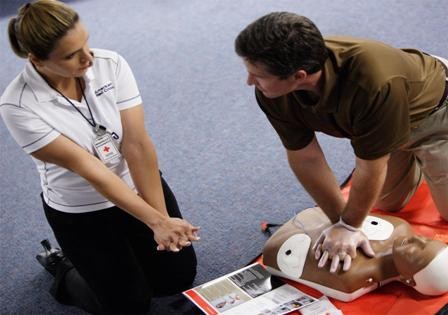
column 35, row 115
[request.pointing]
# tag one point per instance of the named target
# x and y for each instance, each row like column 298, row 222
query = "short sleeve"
column 27, row 129
column 383, row 125
column 293, row 134
column 128, row 94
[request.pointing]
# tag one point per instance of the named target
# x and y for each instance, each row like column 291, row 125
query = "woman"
column 78, row 112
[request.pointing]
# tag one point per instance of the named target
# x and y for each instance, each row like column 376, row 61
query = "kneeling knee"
column 127, row 306
column 390, row 207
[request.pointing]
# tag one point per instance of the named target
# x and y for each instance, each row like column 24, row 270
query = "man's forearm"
column 367, row 182
column 317, row 178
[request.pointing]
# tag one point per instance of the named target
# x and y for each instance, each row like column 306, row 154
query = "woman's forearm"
column 143, row 166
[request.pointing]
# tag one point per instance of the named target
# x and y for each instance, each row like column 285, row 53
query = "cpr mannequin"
column 400, row 256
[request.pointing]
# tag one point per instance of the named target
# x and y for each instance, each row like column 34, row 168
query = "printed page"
column 279, row 301
column 223, row 294
column 251, row 290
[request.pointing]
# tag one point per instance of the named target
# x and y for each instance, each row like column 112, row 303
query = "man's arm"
column 311, row 169
column 340, row 241
column 367, row 182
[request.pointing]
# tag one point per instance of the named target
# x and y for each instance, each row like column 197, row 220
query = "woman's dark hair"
column 38, row 26
column 283, row 43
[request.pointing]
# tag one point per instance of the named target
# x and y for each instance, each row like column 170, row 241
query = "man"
column 391, row 103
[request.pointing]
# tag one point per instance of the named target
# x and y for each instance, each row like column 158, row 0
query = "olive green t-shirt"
column 372, row 94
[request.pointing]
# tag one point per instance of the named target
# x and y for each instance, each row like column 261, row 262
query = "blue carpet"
column 216, row 149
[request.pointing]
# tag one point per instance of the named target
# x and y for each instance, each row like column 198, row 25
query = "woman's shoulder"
column 106, row 55
column 14, row 90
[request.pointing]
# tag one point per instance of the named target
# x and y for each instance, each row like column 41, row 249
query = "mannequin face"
column 422, row 264
column 411, row 254
column 433, row 279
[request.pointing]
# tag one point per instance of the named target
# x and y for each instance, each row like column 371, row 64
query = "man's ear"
column 36, row 61
column 300, row 75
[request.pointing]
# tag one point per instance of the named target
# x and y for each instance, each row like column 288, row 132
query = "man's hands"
column 172, row 234
column 339, row 243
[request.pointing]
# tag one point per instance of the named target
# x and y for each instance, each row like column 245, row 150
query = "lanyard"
column 104, row 145
column 97, row 128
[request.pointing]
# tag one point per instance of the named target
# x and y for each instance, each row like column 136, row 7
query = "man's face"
column 270, row 85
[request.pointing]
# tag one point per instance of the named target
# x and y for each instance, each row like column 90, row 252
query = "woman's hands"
column 172, row 234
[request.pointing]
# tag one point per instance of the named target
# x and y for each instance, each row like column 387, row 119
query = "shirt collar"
column 327, row 101
column 41, row 88
column 38, row 85
column 89, row 76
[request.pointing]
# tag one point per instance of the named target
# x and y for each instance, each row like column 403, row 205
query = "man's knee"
column 443, row 209
column 391, row 206
column 444, row 216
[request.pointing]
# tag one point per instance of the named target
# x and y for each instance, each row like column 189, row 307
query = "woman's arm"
column 138, row 150
column 169, row 233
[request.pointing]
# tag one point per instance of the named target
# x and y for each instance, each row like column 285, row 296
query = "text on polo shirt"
column 107, row 87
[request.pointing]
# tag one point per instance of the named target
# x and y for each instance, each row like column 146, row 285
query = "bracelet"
column 347, row 226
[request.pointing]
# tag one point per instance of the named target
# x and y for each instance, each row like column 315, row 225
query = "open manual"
column 251, row 290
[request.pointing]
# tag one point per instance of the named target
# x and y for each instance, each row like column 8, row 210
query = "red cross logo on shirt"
column 106, row 149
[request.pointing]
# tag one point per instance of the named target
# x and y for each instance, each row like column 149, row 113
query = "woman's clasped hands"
column 173, row 234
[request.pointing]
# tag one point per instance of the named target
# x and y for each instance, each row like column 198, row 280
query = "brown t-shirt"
column 372, row 94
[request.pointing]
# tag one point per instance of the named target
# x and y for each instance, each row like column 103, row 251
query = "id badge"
column 106, row 148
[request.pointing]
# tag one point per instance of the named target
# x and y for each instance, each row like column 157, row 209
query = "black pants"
column 115, row 258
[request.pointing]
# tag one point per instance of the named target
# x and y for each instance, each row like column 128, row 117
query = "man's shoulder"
column 346, row 43
column 367, row 63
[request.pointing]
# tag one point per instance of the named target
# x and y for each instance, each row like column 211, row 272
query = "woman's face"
column 71, row 55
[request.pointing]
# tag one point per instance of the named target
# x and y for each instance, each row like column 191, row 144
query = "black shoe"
column 50, row 257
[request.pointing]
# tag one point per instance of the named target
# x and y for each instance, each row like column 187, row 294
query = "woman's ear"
column 36, row 61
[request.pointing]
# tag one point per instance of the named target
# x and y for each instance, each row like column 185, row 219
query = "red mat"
column 396, row 298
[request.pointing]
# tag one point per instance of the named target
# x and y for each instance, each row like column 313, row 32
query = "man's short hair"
column 284, row 43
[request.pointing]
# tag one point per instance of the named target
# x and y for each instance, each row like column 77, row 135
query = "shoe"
column 50, row 257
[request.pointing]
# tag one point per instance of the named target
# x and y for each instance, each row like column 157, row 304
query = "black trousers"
column 117, row 268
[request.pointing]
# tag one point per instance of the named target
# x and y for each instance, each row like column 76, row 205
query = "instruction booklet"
column 251, row 290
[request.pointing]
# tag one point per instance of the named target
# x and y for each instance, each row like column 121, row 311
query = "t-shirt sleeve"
column 27, row 129
column 383, row 125
column 128, row 94
column 293, row 134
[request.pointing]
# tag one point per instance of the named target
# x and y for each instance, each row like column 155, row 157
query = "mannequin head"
column 421, row 263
